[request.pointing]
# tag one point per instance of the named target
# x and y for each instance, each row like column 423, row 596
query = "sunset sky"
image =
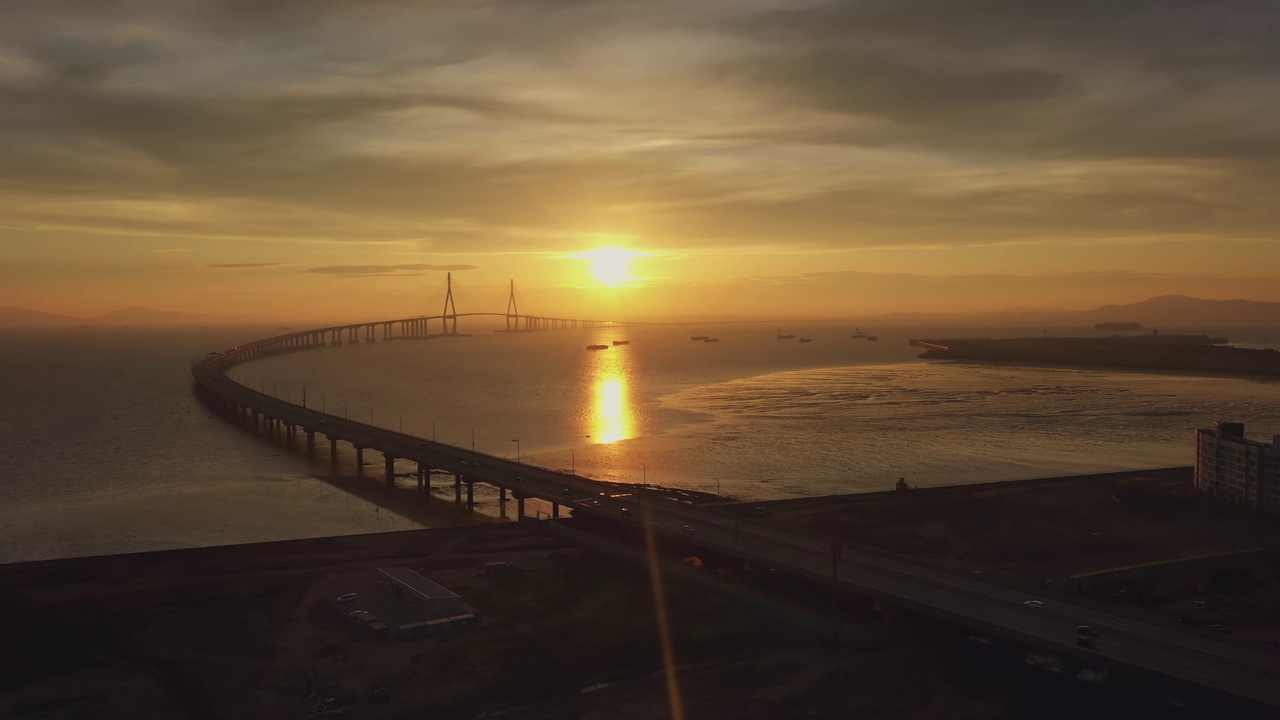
column 333, row 159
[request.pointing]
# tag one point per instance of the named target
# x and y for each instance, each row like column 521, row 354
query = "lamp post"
column 473, row 439
column 516, row 440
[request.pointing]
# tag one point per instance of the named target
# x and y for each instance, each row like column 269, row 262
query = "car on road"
column 1086, row 631
column 567, row 492
column 1034, row 603
column 360, row 615
column 1220, row 628
column 688, row 528
column 1087, row 643
column 347, row 598
column 625, row 511
column 519, row 479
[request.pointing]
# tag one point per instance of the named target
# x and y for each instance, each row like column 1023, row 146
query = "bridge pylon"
column 449, row 318
column 513, row 312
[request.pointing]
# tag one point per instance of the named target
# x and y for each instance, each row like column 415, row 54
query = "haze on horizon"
column 768, row 157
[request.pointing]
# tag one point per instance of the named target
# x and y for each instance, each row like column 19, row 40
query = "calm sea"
column 104, row 449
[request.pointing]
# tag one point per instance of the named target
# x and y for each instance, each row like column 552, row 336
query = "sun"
column 610, row 266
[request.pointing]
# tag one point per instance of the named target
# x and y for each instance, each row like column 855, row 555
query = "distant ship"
column 872, row 338
column 1128, row 326
column 710, row 339
column 621, row 342
column 785, row 337
column 806, row 339
column 597, row 347
column 858, row 334
column 696, row 338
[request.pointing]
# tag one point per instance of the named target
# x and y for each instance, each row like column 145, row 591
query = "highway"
column 1185, row 653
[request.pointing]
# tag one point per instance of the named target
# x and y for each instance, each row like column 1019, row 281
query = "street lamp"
column 473, row 439
column 517, row 442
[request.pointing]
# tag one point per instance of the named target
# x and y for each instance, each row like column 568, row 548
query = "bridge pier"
column 424, row 478
column 359, row 461
column 502, row 494
column 311, row 443
column 519, row 507
column 390, row 466
column 471, row 493
column 288, row 435
column 555, row 511
column 333, row 455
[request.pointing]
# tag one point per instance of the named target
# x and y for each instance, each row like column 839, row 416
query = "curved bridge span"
column 1176, row 651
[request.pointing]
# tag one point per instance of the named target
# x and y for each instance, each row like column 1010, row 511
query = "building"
column 1237, row 469
column 437, row 600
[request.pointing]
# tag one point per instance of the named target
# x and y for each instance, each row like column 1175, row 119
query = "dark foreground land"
column 1142, row 542
column 253, row 632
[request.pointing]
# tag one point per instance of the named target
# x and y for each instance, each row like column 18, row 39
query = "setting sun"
column 610, row 266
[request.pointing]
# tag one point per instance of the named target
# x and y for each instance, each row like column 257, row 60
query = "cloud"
column 456, row 128
column 244, row 266
column 387, row 270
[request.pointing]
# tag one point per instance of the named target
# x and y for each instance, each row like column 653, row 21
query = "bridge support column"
column 424, row 478
column 311, row 443
column 502, row 494
column 457, row 480
column 359, row 461
column 555, row 511
column 471, row 493
column 390, row 467
column 519, row 508
column 333, row 455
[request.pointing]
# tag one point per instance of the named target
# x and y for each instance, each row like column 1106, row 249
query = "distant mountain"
column 1171, row 309
column 19, row 316
column 26, row 317
column 1188, row 310
column 148, row 316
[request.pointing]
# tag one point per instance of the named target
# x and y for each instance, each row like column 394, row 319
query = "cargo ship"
column 597, row 347
column 785, row 337
column 621, row 342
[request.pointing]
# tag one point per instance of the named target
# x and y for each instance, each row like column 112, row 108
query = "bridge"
column 1164, row 648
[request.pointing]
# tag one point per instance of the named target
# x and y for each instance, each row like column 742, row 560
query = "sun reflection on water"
column 612, row 417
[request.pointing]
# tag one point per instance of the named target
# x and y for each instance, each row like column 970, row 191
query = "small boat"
column 858, row 334
column 872, row 338
column 621, row 342
column 696, row 338
column 806, row 339
column 597, row 347
column 711, row 339
column 785, row 337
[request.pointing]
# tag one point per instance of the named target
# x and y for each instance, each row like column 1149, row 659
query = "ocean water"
column 103, row 447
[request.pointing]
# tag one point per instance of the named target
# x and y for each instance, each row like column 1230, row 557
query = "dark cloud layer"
column 387, row 270
column 243, row 266
column 1000, row 119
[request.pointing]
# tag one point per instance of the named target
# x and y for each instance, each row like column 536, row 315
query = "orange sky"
column 334, row 159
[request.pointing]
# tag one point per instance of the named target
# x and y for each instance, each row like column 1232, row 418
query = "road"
column 1185, row 653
